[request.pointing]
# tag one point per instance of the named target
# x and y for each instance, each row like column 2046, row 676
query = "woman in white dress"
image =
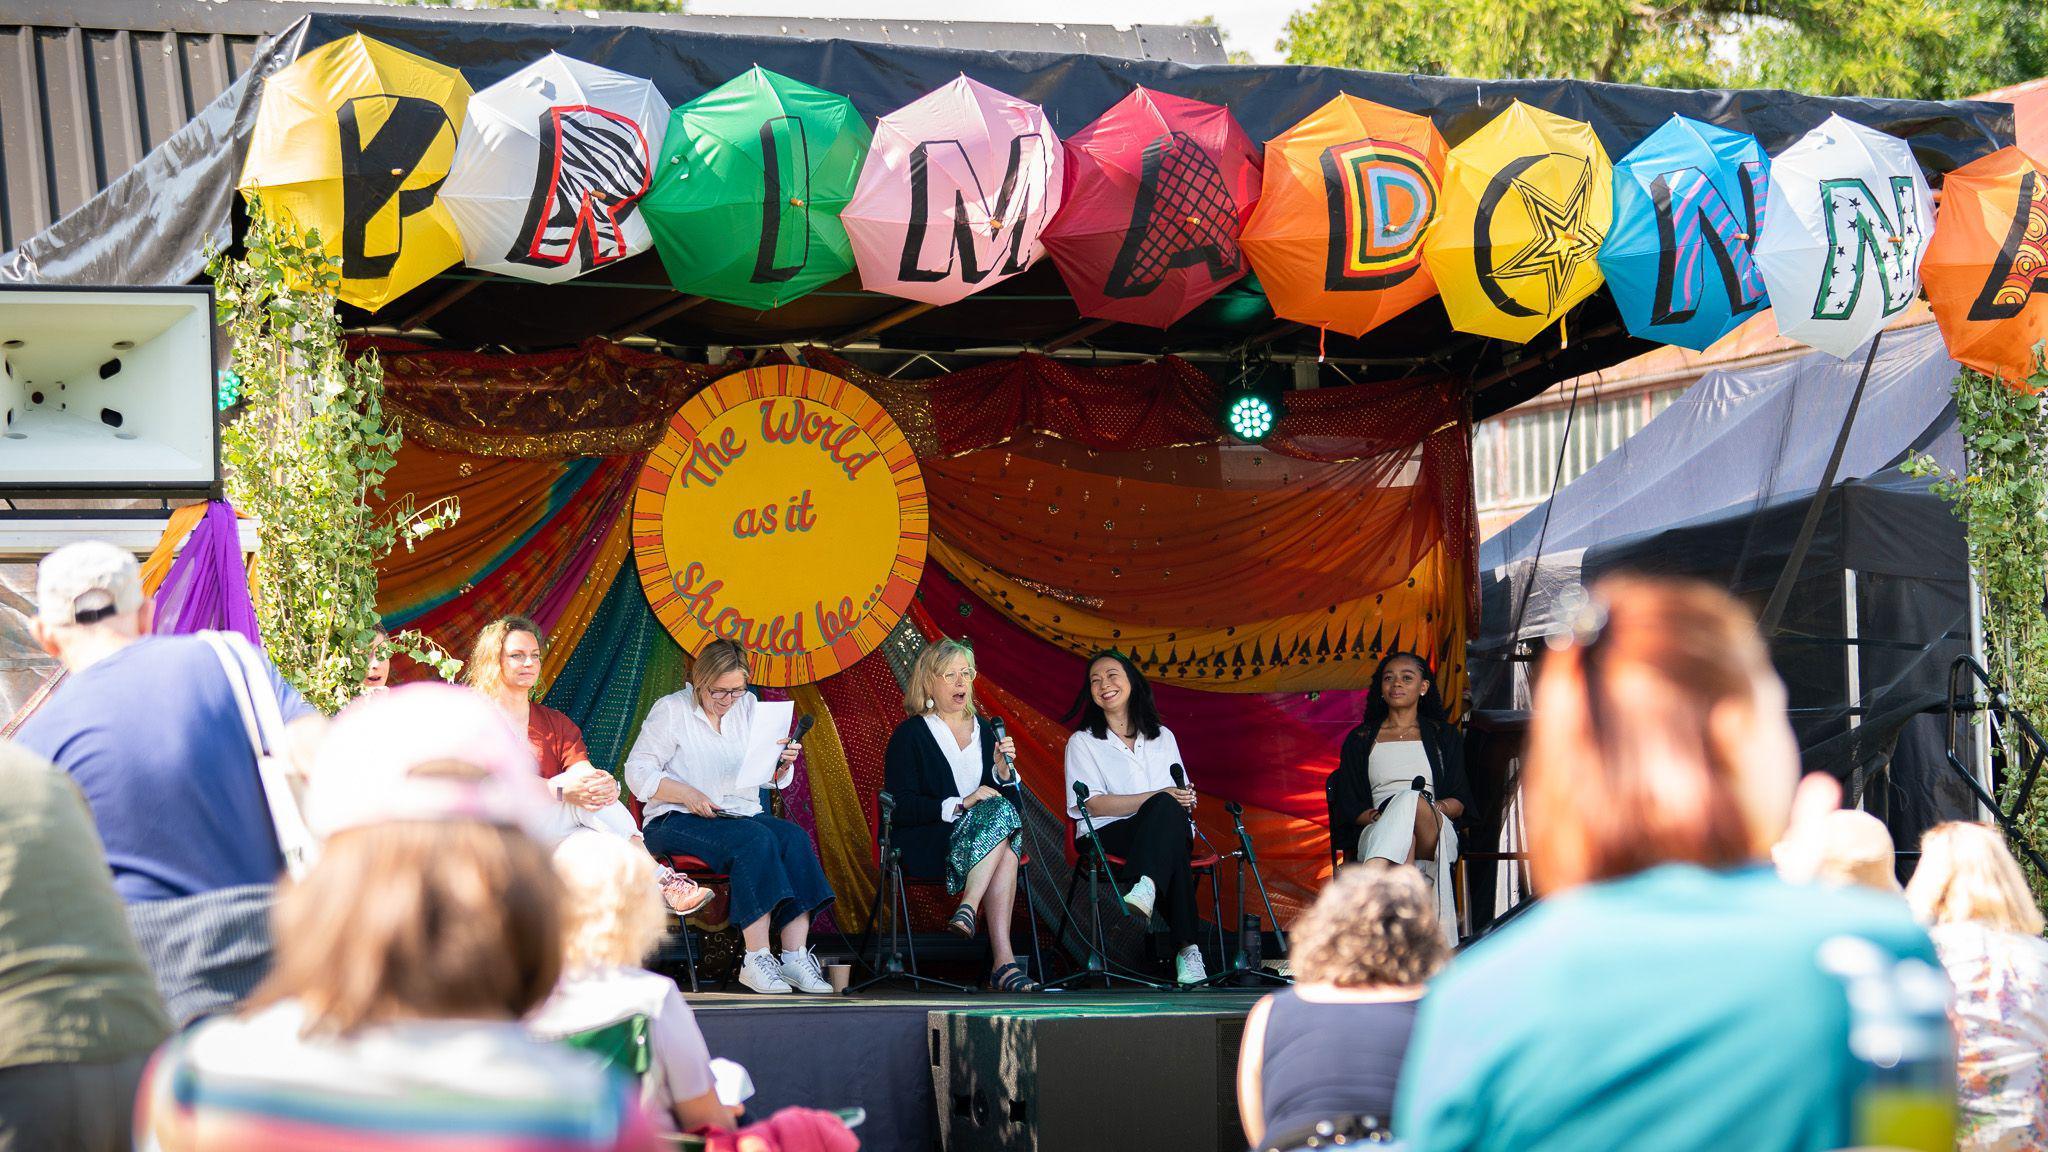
column 1400, row 780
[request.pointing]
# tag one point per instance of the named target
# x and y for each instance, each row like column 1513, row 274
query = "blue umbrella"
column 1680, row 258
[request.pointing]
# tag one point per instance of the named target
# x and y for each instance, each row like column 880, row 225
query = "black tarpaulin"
column 1716, row 488
column 151, row 225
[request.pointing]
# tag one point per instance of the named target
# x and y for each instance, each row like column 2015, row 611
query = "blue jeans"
column 774, row 869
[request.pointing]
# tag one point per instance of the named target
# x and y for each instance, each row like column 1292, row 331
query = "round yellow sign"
column 783, row 509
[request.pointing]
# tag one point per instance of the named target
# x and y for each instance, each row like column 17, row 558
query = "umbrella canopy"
column 552, row 165
column 1680, row 259
column 353, row 141
column 1156, row 191
column 1527, row 202
column 1987, row 265
column 1844, row 225
column 954, row 194
column 1349, row 194
column 753, row 178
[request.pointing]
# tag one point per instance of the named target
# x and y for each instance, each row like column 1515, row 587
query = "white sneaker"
column 1142, row 896
column 800, row 970
column 760, row 972
column 1188, row 966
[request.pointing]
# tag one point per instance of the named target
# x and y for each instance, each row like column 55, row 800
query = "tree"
column 1935, row 49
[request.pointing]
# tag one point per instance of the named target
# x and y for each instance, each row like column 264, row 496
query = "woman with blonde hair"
column 951, row 816
column 1670, row 992
column 406, row 957
column 613, row 921
column 1329, row 1049
column 504, row 666
column 684, row 767
column 1986, row 926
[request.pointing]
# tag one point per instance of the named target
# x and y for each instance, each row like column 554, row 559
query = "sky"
column 1253, row 25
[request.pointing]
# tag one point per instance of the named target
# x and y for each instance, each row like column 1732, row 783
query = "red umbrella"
column 1157, row 190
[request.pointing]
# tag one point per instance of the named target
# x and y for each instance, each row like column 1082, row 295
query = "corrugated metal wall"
column 88, row 86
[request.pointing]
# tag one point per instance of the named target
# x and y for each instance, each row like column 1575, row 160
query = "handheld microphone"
column 803, row 725
column 1420, row 785
column 1180, row 776
column 1003, row 734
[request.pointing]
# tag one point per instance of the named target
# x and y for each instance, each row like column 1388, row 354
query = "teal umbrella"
column 747, row 193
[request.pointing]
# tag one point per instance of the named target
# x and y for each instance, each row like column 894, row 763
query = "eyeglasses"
column 725, row 693
column 961, row 676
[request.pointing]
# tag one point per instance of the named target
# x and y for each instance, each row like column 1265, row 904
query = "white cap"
column 86, row 582
column 368, row 770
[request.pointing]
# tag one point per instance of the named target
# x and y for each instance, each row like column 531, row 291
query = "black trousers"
column 1156, row 842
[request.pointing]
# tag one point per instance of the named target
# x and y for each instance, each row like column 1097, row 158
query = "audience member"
column 1329, row 1049
column 1668, row 993
column 377, row 677
column 1987, row 928
column 79, row 1012
column 407, row 957
column 612, row 922
column 151, row 729
column 951, row 817
column 1843, row 848
column 504, row 665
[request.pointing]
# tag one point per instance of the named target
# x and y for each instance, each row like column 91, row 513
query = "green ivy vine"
column 306, row 456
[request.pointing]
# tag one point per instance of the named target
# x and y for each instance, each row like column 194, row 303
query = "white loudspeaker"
column 108, row 390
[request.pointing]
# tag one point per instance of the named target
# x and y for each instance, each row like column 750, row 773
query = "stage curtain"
column 845, row 838
column 597, row 399
column 503, row 503
column 599, row 686
column 570, row 607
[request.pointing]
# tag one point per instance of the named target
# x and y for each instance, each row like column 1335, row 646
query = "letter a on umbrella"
column 1157, row 190
column 353, row 140
column 745, row 208
column 955, row 194
column 1349, row 194
column 1987, row 266
column 1528, row 200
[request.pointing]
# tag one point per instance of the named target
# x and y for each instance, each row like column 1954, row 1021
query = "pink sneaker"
column 683, row 895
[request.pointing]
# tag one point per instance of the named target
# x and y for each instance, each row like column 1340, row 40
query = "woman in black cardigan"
column 1406, row 727
column 952, row 818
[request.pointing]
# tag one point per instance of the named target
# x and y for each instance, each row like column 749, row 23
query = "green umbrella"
column 747, row 194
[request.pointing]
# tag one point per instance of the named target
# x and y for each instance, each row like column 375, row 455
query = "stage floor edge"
column 874, row 1050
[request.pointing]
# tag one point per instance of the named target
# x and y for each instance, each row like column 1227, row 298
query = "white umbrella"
column 1846, row 220
column 550, row 168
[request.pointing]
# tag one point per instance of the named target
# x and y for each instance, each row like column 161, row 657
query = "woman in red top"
column 504, row 666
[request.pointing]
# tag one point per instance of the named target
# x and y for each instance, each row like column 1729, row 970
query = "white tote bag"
column 264, row 723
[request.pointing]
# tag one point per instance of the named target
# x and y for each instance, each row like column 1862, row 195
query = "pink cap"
column 367, row 772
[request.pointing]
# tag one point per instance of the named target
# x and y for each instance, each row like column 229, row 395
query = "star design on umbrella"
column 1566, row 237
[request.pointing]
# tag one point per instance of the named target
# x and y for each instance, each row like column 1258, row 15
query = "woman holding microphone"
column 684, row 768
column 1140, row 811
column 951, row 817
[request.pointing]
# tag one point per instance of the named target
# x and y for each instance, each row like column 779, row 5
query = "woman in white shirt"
column 951, row 816
column 1126, row 758
column 684, row 768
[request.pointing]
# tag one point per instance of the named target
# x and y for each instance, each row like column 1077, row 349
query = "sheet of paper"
column 772, row 719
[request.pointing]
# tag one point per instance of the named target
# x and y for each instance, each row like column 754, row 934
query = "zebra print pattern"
column 592, row 171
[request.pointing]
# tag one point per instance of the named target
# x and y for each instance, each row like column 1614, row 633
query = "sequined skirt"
column 979, row 831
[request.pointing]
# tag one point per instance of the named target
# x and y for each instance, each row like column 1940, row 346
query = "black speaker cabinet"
column 1087, row 1080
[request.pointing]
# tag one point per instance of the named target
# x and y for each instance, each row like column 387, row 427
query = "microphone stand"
column 1097, row 964
column 1240, row 968
column 1032, row 851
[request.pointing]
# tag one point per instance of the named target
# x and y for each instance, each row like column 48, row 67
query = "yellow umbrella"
column 1527, row 201
column 353, row 140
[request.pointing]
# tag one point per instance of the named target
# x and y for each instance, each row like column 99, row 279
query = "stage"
column 1065, row 1071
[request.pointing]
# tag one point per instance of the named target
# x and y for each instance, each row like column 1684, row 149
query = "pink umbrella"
column 954, row 193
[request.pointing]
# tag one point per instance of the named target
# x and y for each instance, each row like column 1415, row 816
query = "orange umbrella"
column 1337, row 237
column 1986, row 269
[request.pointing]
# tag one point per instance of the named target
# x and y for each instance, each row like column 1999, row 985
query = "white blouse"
column 1107, row 767
column 965, row 762
column 1394, row 766
column 677, row 742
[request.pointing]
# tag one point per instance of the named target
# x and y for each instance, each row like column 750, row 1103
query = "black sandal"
column 1012, row 978
column 962, row 923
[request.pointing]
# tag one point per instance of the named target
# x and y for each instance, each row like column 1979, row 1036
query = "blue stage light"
column 1250, row 417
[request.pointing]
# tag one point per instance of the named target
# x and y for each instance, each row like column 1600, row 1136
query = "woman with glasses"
column 951, row 817
column 504, row 666
column 684, row 767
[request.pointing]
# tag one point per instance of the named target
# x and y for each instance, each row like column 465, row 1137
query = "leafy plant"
column 307, row 456
column 2003, row 502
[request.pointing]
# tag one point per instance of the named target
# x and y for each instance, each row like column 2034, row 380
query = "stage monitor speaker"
column 1087, row 1080
column 107, row 390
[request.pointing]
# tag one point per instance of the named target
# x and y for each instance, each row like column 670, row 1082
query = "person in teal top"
column 1670, row 994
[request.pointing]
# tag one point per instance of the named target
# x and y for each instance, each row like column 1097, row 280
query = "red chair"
column 1201, row 861
column 696, row 870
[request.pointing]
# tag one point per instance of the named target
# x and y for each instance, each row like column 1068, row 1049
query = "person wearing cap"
column 150, row 728
column 430, row 925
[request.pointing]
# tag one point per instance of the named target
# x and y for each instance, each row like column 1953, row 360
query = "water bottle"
column 1899, row 1033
